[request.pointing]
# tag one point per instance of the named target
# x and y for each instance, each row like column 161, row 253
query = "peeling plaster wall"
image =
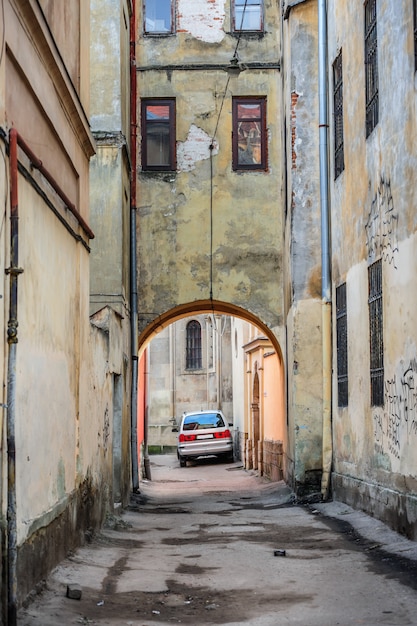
column 64, row 368
column 375, row 218
column 174, row 236
column 303, row 458
column 202, row 20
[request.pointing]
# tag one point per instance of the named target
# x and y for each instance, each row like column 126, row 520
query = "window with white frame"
column 158, row 17
column 247, row 15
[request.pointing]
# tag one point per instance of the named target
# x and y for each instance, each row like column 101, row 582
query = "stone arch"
column 204, row 306
column 252, row 447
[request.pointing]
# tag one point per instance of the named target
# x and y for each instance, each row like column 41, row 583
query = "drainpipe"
column 327, row 452
column 12, row 325
column 133, row 259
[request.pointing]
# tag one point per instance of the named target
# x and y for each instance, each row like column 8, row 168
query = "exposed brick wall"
column 272, row 460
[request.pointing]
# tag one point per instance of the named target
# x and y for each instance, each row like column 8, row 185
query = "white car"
column 204, row 433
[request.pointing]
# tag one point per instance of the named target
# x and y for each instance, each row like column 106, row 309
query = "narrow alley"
column 214, row 544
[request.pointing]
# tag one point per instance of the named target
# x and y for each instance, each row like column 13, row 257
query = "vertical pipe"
column 133, row 259
column 327, row 451
column 13, row 271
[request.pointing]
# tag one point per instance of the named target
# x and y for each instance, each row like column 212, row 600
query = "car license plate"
column 205, row 436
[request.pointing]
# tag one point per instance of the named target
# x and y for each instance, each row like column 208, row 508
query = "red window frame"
column 165, row 126
column 249, row 154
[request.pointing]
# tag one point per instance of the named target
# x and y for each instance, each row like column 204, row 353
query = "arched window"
column 193, row 347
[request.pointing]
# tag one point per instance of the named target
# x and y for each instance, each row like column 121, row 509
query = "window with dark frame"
column 371, row 67
column 339, row 158
column 342, row 346
column 247, row 15
column 249, row 133
column 158, row 134
column 415, row 33
column 193, row 346
column 158, row 17
column 376, row 333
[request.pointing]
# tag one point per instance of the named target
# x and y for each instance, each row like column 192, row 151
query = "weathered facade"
column 347, row 348
column 227, row 224
column 370, row 71
column 374, row 258
column 302, row 280
column 58, row 367
column 110, row 209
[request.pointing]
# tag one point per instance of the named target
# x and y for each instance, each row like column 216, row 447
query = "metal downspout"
column 133, row 256
column 14, row 272
column 327, row 451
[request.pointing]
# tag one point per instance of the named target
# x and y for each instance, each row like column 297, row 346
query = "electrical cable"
column 212, row 146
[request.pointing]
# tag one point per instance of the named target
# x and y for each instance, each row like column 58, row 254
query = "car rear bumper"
column 204, row 448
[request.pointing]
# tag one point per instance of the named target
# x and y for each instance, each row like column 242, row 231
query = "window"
column 249, row 134
column 376, row 334
column 371, row 67
column 415, row 33
column 342, row 346
column 247, row 15
column 158, row 17
column 193, row 346
column 158, row 134
column 339, row 159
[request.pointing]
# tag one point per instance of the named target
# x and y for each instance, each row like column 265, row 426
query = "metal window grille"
column 193, row 346
column 371, row 67
column 339, row 159
column 342, row 346
column 415, row 33
column 376, row 334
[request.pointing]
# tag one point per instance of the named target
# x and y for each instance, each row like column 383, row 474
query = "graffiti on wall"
column 382, row 225
column 398, row 422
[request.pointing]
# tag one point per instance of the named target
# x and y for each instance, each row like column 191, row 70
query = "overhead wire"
column 212, row 146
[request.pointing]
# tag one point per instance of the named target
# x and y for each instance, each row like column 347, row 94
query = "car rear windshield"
column 205, row 420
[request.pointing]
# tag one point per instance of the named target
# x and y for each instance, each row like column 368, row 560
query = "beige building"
column 64, row 377
column 315, row 245
column 274, row 185
column 372, row 68
column 369, row 442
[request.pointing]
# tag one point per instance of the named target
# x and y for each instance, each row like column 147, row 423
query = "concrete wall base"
column 397, row 510
column 59, row 533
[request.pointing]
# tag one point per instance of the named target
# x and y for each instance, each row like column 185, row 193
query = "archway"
column 258, row 416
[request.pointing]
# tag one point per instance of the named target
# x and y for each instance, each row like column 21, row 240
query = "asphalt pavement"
column 215, row 544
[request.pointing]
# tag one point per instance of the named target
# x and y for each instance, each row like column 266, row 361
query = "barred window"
column 193, row 346
column 339, row 159
column 376, row 333
column 342, row 346
column 371, row 67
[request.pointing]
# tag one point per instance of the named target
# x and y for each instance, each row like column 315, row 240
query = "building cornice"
column 206, row 67
column 34, row 22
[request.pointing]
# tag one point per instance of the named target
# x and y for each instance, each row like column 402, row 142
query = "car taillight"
column 182, row 438
column 224, row 435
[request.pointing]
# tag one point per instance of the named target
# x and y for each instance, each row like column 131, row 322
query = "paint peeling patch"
column 203, row 20
column 195, row 148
